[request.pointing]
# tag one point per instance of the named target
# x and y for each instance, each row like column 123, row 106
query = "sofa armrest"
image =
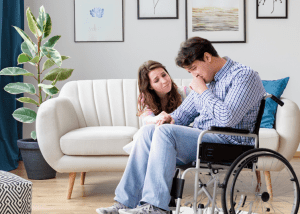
column 287, row 125
column 55, row 117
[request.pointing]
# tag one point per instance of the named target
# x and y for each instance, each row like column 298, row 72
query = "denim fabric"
column 151, row 166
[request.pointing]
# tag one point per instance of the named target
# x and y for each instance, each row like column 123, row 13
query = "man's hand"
column 198, row 85
column 163, row 117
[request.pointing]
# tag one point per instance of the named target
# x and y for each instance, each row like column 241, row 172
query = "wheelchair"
column 246, row 172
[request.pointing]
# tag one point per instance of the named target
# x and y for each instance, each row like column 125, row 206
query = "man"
column 225, row 93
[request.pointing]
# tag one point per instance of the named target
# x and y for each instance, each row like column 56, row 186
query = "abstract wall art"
column 271, row 9
column 157, row 9
column 218, row 21
column 99, row 21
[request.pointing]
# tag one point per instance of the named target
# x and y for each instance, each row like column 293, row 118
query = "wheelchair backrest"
column 259, row 116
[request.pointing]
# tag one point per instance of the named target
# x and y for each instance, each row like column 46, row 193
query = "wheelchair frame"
column 198, row 170
column 199, row 187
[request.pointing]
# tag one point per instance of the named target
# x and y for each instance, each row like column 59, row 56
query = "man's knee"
column 146, row 132
column 147, row 129
column 167, row 132
column 166, row 129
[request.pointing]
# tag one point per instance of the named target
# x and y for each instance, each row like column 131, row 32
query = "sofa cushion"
column 268, row 138
column 99, row 140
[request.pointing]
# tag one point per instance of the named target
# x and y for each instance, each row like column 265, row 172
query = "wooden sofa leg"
column 72, row 177
column 268, row 183
column 258, row 178
column 82, row 178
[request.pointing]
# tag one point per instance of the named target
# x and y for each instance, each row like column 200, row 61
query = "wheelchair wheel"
column 260, row 181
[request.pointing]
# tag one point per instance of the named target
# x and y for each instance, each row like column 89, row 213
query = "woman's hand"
column 164, row 117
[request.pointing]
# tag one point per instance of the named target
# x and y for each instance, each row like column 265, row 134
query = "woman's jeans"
column 151, row 166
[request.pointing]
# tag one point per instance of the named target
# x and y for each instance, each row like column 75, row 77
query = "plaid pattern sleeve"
column 232, row 100
column 186, row 112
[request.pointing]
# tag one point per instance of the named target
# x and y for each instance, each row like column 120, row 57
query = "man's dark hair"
column 194, row 49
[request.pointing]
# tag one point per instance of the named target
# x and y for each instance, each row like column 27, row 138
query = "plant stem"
column 38, row 72
column 46, row 97
column 35, row 78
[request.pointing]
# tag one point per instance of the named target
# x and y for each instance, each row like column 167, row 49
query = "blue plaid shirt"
column 232, row 100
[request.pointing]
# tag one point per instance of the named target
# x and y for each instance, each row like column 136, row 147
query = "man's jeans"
column 151, row 166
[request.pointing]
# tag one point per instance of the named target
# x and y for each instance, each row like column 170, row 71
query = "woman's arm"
column 148, row 117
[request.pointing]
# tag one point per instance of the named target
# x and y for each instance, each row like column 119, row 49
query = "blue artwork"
column 99, row 20
column 97, row 12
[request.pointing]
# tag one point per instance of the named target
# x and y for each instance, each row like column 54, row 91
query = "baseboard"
column 297, row 154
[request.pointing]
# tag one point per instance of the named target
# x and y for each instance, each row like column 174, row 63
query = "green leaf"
column 18, row 88
column 48, row 26
column 15, row 71
column 53, row 54
column 52, row 41
column 56, row 79
column 41, row 20
column 25, row 49
column 23, row 58
column 49, row 89
column 35, row 60
column 65, row 57
column 32, row 23
column 49, row 63
column 33, row 135
column 28, row 100
column 24, row 115
column 26, row 38
column 61, row 73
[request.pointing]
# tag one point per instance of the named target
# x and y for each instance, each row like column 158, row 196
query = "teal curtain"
column 11, row 14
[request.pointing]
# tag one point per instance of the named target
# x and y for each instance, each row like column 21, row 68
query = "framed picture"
column 218, row 21
column 157, row 9
column 271, row 9
column 99, row 21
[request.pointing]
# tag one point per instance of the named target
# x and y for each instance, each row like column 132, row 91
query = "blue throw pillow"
column 275, row 87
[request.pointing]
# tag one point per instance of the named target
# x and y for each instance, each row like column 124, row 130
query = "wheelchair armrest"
column 228, row 129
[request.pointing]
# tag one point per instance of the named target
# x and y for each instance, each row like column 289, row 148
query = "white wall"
column 272, row 47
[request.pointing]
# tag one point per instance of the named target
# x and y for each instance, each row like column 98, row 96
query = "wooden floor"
column 49, row 196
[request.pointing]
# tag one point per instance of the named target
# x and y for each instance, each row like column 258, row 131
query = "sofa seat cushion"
column 268, row 138
column 99, row 140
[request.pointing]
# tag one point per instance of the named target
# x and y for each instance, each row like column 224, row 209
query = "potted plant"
column 33, row 53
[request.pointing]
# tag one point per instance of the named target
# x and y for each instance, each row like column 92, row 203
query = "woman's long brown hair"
column 148, row 98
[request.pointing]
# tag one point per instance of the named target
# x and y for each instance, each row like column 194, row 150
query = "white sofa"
column 85, row 128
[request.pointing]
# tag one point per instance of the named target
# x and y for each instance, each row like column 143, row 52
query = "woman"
column 158, row 95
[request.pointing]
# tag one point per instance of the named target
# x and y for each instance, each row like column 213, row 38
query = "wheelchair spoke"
column 278, row 191
column 276, row 208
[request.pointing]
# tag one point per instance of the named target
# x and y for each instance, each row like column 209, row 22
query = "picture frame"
column 157, row 9
column 271, row 9
column 98, row 21
column 218, row 21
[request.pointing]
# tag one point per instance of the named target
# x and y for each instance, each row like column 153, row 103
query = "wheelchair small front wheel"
column 264, row 189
